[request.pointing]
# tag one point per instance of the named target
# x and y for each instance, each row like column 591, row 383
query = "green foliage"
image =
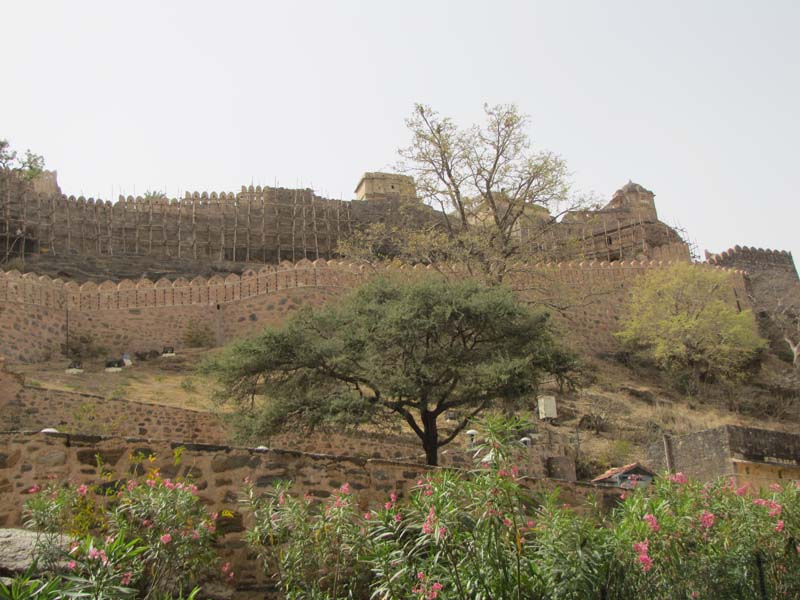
column 27, row 587
column 173, row 526
column 486, row 535
column 29, row 166
column 153, row 540
column 685, row 320
column 188, row 385
column 391, row 350
column 198, row 335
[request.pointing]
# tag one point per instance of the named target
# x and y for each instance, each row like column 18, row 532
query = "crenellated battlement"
column 41, row 290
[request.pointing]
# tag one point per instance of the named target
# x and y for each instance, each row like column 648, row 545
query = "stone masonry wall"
column 29, row 408
column 218, row 471
column 34, row 408
column 757, row 456
column 143, row 315
column 704, row 455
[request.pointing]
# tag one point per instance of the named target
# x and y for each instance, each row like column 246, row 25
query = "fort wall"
column 218, row 471
column 38, row 313
column 32, row 408
column 755, row 260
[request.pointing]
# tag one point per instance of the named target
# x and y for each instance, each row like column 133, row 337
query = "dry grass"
column 165, row 381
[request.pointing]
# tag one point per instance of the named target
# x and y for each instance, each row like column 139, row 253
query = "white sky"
column 696, row 101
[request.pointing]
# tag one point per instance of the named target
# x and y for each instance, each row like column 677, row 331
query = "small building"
column 627, row 477
column 748, row 455
column 373, row 186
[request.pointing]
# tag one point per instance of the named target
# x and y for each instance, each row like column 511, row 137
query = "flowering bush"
column 486, row 536
column 173, row 526
column 315, row 554
column 104, row 568
column 154, row 538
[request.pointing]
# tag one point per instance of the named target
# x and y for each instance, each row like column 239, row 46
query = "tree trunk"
column 430, row 439
column 795, row 351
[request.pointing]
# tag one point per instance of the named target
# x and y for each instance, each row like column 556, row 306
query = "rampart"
column 218, row 471
column 38, row 314
column 258, row 224
column 749, row 455
column 755, row 260
column 271, row 224
column 32, row 408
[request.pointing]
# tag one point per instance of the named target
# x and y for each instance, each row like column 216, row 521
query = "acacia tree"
column 685, row 320
column 391, row 350
column 486, row 181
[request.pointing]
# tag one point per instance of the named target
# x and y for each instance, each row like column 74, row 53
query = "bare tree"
column 486, row 180
column 786, row 317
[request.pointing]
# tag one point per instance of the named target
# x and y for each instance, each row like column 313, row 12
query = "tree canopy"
column 487, row 182
column 29, row 166
column 687, row 320
column 396, row 350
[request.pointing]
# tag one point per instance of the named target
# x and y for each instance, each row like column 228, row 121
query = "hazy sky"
column 696, row 101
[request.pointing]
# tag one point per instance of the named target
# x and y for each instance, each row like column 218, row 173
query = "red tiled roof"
column 618, row 470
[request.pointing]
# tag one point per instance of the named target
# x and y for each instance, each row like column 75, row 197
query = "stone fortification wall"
column 755, row 260
column 258, row 224
column 757, row 456
column 218, row 471
column 33, row 408
column 39, row 313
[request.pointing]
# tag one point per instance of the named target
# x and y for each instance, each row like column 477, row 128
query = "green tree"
column 687, row 320
column 408, row 350
column 30, row 166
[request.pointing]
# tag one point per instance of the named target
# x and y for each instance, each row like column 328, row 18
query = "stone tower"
column 379, row 186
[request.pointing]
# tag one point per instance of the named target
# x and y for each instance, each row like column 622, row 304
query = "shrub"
column 198, row 335
column 153, row 539
column 487, row 536
column 685, row 320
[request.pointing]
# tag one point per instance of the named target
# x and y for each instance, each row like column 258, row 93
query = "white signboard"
column 547, row 407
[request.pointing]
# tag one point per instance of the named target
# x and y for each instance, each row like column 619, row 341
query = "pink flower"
column 442, row 531
column 367, row 516
column 647, row 562
column 82, row 489
column 345, row 489
column 507, row 522
column 231, row 575
column 707, row 519
column 393, row 497
column 214, row 516
column 94, row 553
column 652, row 522
column 126, row 578
column 741, row 491
column 71, row 565
column 421, row 576
column 398, row 517
column 695, row 594
column 166, row 538
column 679, row 478
column 34, row 489
column 388, row 506
column 775, row 487
column 226, row 567
column 641, row 547
column 779, row 526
